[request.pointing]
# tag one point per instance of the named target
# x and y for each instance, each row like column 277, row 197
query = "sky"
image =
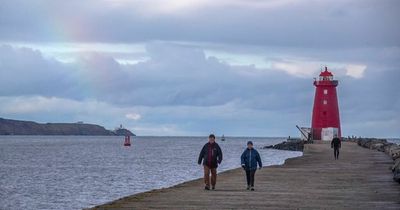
column 194, row 67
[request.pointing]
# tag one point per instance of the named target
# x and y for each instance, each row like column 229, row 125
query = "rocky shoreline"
column 287, row 145
column 382, row 145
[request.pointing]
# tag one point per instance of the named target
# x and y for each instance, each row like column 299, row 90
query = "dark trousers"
column 336, row 152
column 250, row 177
column 207, row 171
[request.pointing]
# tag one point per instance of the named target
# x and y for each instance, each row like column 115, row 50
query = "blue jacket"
column 250, row 158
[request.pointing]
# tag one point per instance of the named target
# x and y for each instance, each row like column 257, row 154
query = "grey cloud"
column 24, row 71
column 309, row 24
column 179, row 85
column 174, row 75
column 181, row 76
column 228, row 97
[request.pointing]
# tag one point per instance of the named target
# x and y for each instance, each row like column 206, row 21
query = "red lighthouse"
column 325, row 118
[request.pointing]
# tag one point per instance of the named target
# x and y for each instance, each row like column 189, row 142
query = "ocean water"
column 74, row 172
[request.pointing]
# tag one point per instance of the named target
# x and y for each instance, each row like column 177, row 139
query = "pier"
column 360, row 179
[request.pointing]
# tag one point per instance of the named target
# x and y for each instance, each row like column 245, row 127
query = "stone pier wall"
column 382, row 145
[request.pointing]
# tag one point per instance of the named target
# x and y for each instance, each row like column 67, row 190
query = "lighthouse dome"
column 326, row 73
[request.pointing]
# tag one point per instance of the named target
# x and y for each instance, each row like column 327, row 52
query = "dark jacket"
column 211, row 155
column 250, row 158
column 336, row 143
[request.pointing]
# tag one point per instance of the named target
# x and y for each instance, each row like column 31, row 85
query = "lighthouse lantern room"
column 325, row 117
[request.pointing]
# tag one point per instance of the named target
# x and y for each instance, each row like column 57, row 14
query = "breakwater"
column 358, row 180
column 382, row 145
column 287, row 145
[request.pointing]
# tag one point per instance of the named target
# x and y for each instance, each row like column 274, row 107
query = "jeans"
column 207, row 171
column 250, row 177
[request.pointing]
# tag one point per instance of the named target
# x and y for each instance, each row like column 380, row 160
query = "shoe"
column 213, row 188
column 248, row 188
column 207, row 188
column 252, row 189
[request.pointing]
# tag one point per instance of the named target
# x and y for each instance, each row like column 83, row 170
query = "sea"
column 75, row 172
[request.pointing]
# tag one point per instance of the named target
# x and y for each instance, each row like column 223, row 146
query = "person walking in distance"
column 249, row 159
column 211, row 156
column 336, row 144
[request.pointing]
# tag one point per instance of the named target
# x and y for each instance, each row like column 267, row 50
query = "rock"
column 396, row 164
column 377, row 146
column 396, row 170
column 393, row 150
column 395, row 153
column 389, row 146
column 292, row 146
column 396, row 177
column 373, row 143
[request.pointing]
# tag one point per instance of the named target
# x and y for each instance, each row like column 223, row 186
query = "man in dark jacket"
column 249, row 160
column 211, row 155
column 336, row 144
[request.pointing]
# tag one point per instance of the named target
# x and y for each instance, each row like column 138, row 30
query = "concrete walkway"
column 359, row 180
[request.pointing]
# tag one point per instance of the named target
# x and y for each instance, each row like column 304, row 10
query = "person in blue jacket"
column 250, row 158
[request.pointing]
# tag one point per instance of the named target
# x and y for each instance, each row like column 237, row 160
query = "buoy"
column 127, row 141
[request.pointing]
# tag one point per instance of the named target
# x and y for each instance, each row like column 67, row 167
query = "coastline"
column 359, row 180
column 11, row 127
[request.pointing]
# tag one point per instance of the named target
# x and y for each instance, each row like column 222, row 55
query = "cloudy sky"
column 191, row 67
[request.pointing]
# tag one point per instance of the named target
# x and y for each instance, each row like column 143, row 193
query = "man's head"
column 211, row 138
column 250, row 145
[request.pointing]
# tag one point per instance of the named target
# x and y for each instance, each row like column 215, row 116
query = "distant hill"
column 123, row 132
column 18, row 127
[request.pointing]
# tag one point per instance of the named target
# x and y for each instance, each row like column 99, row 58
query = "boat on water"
column 127, row 141
column 223, row 138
